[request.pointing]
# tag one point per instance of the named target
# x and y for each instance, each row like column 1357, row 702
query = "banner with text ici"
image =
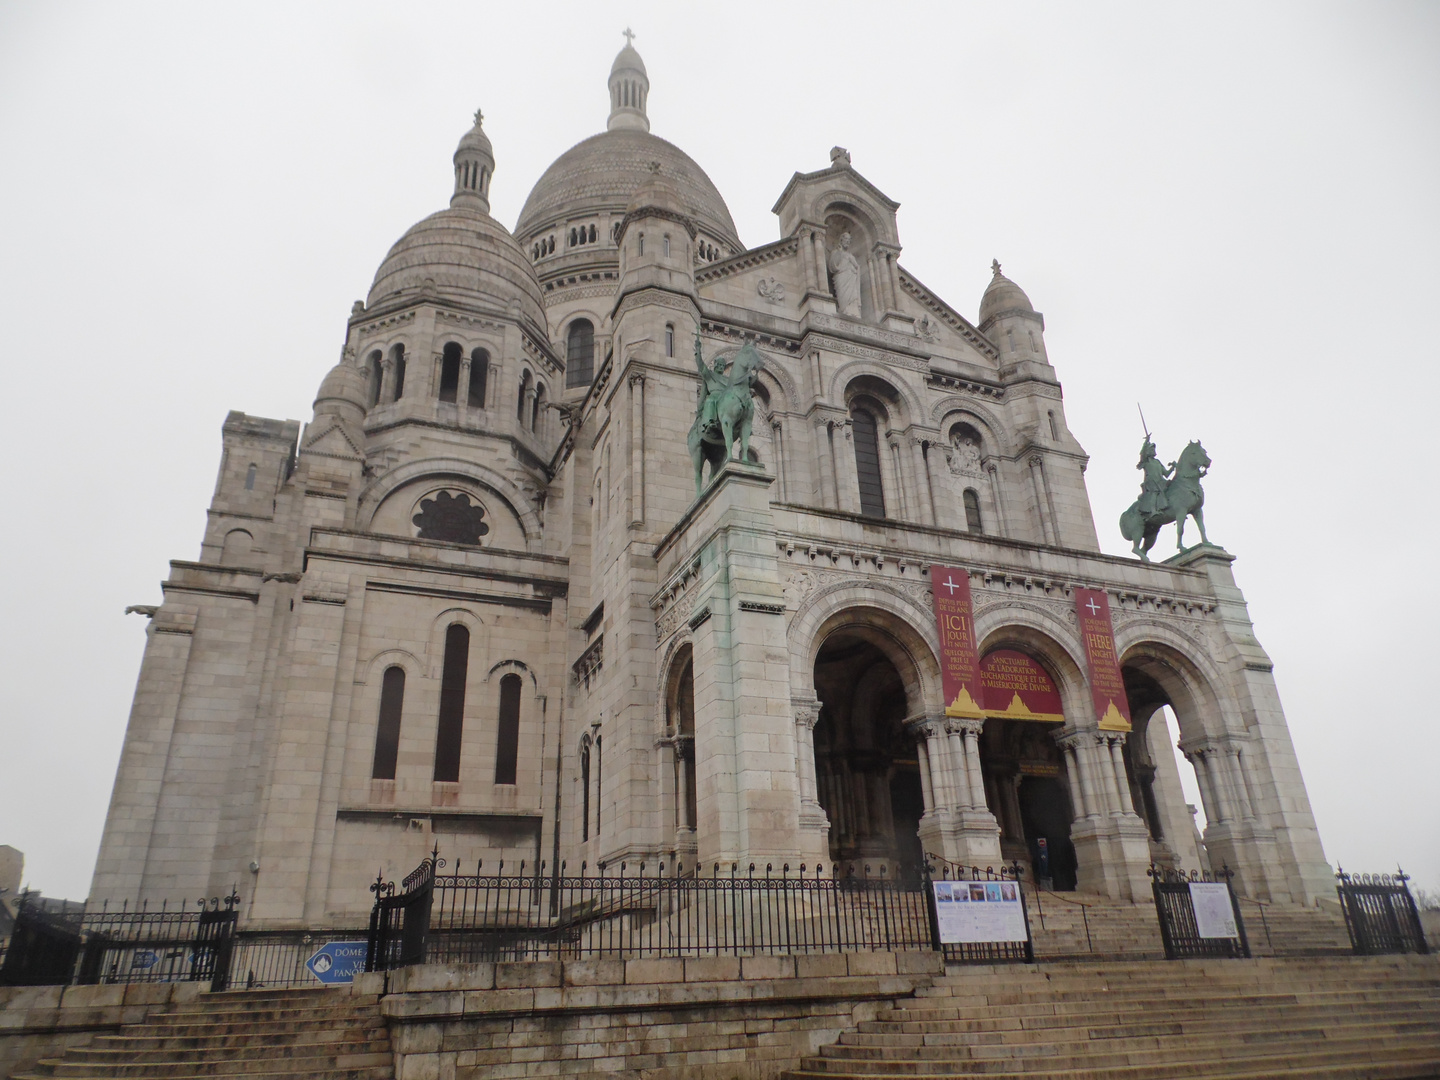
column 959, row 655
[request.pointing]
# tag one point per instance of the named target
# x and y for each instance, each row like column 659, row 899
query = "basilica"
column 496, row 598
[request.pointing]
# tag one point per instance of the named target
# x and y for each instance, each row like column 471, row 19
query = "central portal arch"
column 867, row 765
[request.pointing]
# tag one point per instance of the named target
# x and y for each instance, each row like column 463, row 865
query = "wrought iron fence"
column 49, row 948
column 1380, row 913
column 660, row 910
column 1186, row 933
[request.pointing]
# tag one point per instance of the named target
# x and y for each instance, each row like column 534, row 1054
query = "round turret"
column 342, row 393
column 462, row 253
column 629, row 87
column 1002, row 296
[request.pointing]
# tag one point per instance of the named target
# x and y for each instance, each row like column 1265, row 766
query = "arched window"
column 1054, row 428
column 387, row 732
column 665, row 245
column 537, row 409
column 642, row 244
column 397, row 361
column 867, row 463
column 681, row 721
column 669, row 339
column 450, row 372
column 377, row 376
column 585, row 790
column 592, row 234
column 580, row 354
column 479, row 374
column 520, row 398
column 972, row 511
column 572, row 237
column 235, row 548
column 250, row 477
column 507, row 736
column 452, row 703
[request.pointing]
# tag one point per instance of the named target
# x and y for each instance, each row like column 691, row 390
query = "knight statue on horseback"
column 725, row 411
column 1167, row 493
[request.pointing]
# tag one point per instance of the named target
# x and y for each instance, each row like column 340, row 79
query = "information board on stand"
column 970, row 912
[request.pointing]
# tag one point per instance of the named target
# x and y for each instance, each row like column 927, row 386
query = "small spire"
column 995, row 266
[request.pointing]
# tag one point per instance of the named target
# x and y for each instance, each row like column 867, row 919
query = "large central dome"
column 604, row 171
column 600, row 175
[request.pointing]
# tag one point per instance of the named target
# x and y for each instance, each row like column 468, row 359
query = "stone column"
column 1238, row 781
column 1122, row 783
column 777, row 442
column 924, row 503
column 1089, row 800
column 817, row 245
column 462, row 389
column 807, row 712
column 959, row 765
column 993, row 470
column 387, row 380
column 970, row 730
column 847, row 480
column 927, row 788
column 825, row 459
column 1072, row 776
column 806, row 251
column 1037, row 481
column 637, row 449
column 898, row 502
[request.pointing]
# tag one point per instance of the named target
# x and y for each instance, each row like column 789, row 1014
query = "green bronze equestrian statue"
column 1167, row 493
column 725, row 411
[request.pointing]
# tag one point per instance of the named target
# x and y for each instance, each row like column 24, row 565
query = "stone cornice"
column 748, row 260
column 948, row 315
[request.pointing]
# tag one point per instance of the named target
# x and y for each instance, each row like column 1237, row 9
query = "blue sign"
column 338, row 961
column 143, row 958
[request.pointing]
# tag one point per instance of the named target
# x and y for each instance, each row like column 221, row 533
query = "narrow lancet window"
column 452, row 704
column 972, row 511
column 580, row 354
column 387, row 733
column 867, row 464
column 479, row 373
column 507, row 737
column 450, row 373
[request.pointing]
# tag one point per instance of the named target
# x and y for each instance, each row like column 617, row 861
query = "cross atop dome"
column 479, row 116
column 629, row 38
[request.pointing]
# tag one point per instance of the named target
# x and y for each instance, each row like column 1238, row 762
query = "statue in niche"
column 964, row 456
column 845, row 274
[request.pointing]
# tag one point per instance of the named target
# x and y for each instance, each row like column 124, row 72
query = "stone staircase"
column 1120, row 930
column 317, row 1034
column 1318, row 1018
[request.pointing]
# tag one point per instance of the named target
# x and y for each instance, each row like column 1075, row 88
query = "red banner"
column 959, row 658
column 1107, row 687
column 1017, row 688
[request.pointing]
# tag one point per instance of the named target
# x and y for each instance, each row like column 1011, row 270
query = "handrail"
column 1262, row 905
column 1084, row 912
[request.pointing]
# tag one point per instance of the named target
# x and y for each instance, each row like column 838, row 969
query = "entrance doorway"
column 867, row 768
column 1025, row 786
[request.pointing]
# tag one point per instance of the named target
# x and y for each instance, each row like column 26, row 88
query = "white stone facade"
column 641, row 674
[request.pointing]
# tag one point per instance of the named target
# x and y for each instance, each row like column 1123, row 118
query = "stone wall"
column 44, row 1021
column 735, row 1018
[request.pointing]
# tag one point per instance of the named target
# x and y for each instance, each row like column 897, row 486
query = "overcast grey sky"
column 1228, row 212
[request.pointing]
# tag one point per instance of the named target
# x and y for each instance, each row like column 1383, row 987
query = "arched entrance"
column 867, row 767
column 680, row 735
column 1026, row 784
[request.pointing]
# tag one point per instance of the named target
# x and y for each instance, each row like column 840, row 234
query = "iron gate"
column 169, row 945
column 1180, row 929
column 1380, row 913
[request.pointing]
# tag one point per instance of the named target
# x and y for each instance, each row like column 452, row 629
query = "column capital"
column 807, row 712
column 1070, row 740
column 928, row 725
column 637, row 378
column 964, row 725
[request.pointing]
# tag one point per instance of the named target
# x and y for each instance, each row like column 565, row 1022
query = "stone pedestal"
column 748, row 756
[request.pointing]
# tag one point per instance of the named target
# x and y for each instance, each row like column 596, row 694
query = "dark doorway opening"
column 1045, row 815
column 867, row 767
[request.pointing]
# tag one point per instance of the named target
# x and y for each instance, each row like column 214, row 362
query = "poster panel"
column 1107, row 688
column 1015, row 687
column 959, row 658
column 979, row 911
column 1214, row 914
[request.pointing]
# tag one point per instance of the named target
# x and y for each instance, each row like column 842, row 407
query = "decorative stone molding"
column 762, row 609
column 591, row 661
column 771, row 290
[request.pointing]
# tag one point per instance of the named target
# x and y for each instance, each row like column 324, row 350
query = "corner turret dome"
column 462, row 253
column 342, row 392
column 658, row 193
column 1002, row 296
column 599, row 176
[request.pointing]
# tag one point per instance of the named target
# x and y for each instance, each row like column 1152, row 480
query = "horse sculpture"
column 726, row 411
column 1183, row 497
